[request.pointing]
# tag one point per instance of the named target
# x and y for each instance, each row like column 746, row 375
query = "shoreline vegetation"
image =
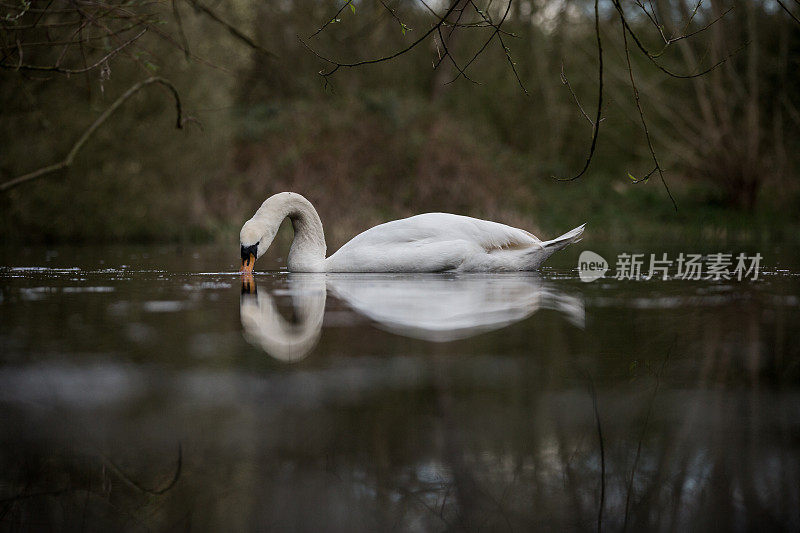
column 360, row 168
column 394, row 139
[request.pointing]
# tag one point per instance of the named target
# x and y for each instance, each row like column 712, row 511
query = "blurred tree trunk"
column 724, row 126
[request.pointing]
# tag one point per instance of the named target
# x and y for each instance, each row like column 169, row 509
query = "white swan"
column 432, row 242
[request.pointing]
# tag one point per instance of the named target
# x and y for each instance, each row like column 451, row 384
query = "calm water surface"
column 155, row 389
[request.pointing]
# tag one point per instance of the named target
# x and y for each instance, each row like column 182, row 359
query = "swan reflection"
column 441, row 308
column 434, row 307
column 264, row 326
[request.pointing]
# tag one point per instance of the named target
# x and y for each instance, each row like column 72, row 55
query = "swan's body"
column 432, row 242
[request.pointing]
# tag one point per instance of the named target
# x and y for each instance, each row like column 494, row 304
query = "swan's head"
column 254, row 239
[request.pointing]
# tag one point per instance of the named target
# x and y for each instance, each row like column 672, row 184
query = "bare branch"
column 512, row 64
column 488, row 19
column 492, row 36
column 783, row 6
column 644, row 122
column 601, row 506
column 452, row 59
column 67, row 161
column 652, row 57
column 13, row 18
column 394, row 15
column 56, row 68
column 565, row 81
column 233, row 30
column 671, row 40
column 138, row 486
column 597, row 120
column 337, row 64
column 330, row 20
column 185, row 42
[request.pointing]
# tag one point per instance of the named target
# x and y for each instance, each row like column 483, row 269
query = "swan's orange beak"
column 248, row 264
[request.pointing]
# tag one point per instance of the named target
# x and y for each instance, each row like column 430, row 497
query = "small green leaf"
column 631, row 176
column 352, row 6
column 151, row 66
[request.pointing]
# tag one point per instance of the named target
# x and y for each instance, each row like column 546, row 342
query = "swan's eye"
column 248, row 250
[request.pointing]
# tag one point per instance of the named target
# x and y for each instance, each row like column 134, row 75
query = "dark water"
column 153, row 389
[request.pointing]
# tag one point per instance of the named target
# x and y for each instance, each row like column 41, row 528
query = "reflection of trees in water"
column 447, row 441
column 469, row 469
column 72, row 490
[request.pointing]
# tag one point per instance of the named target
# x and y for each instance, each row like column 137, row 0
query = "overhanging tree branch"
column 337, row 64
column 636, row 99
column 654, row 56
column 56, row 68
column 783, row 6
column 598, row 116
column 67, row 161
column 233, row 30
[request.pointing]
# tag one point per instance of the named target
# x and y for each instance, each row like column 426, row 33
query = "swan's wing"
column 446, row 227
column 398, row 256
column 429, row 243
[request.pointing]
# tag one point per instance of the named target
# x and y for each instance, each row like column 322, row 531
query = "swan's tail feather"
column 537, row 256
column 564, row 240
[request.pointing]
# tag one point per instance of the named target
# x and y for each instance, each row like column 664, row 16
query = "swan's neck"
column 307, row 253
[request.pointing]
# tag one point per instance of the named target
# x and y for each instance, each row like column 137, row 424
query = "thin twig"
column 597, row 120
column 671, row 40
column 337, row 65
column 330, row 20
column 233, row 30
column 440, row 57
column 488, row 19
column 56, row 68
column 394, row 15
column 453, row 27
column 73, row 41
column 452, row 59
column 565, row 81
column 642, row 434
column 787, row 11
column 652, row 57
column 179, row 22
column 491, row 37
column 156, row 492
column 593, row 394
column 512, row 64
column 644, row 121
column 25, row 8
